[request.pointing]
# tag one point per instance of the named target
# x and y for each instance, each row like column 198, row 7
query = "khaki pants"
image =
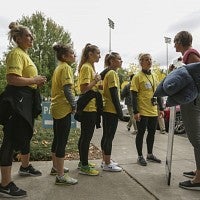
column 131, row 120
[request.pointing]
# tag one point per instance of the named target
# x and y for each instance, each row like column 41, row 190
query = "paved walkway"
column 134, row 183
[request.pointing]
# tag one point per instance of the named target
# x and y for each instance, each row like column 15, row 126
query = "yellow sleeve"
column 85, row 75
column 112, row 79
column 14, row 63
column 66, row 76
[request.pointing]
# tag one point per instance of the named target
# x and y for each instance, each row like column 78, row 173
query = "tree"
column 2, row 77
column 123, row 75
column 46, row 33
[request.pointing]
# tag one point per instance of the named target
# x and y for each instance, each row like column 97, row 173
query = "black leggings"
column 17, row 136
column 150, row 123
column 87, row 129
column 61, row 129
column 110, row 122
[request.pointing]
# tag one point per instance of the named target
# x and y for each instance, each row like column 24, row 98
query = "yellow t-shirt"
column 18, row 62
column 145, row 86
column 62, row 75
column 111, row 80
column 86, row 75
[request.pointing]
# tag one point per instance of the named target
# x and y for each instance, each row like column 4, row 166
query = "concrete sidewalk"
column 134, row 183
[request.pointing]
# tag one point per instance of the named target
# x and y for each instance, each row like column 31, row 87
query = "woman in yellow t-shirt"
column 88, row 79
column 112, row 109
column 21, row 104
column 145, row 107
column 62, row 105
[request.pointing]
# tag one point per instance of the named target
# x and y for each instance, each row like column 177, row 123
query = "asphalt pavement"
column 135, row 182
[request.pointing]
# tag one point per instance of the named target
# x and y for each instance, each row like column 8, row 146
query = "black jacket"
column 82, row 102
column 126, row 94
column 24, row 101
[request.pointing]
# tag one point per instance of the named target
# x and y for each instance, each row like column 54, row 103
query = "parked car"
column 125, row 111
column 179, row 126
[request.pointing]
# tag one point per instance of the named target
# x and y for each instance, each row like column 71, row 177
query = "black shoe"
column 153, row 158
column 29, row 171
column 191, row 174
column 12, row 191
column 128, row 128
column 141, row 161
column 189, row 185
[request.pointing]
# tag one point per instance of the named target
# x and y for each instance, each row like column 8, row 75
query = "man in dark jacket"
column 125, row 94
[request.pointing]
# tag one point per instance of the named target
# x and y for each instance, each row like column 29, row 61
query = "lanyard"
column 152, row 84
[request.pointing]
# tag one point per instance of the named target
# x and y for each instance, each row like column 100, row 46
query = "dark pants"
column 150, row 124
column 17, row 136
column 88, row 121
column 110, row 122
column 191, row 118
column 61, row 129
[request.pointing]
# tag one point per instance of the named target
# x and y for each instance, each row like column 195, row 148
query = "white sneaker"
column 112, row 168
column 111, row 162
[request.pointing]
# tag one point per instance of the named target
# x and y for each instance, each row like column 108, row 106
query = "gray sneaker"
column 141, row 161
column 65, row 180
column 153, row 158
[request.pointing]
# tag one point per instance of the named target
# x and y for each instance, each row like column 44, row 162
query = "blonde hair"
column 141, row 56
column 16, row 30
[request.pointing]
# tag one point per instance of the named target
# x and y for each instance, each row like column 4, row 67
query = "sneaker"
column 163, row 131
column 29, row 171
column 54, row 171
column 112, row 168
column 92, row 165
column 111, row 162
column 135, row 132
column 65, row 180
column 189, row 185
column 141, row 161
column 191, row 174
column 12, row 191
column 153, row 158
column 87, row 170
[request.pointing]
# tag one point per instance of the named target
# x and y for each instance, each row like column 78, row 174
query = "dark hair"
column 61, row 50
column 131, row 76
column 109, row 57
column 184, row 38
column 85, row 53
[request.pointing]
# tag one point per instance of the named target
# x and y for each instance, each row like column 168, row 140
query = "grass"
column 42, row 140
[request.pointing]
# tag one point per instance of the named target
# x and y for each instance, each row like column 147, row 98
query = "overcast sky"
column 140, row 26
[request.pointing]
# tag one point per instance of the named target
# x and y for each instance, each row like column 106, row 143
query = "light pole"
column 167, row 41
column 111, row 26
